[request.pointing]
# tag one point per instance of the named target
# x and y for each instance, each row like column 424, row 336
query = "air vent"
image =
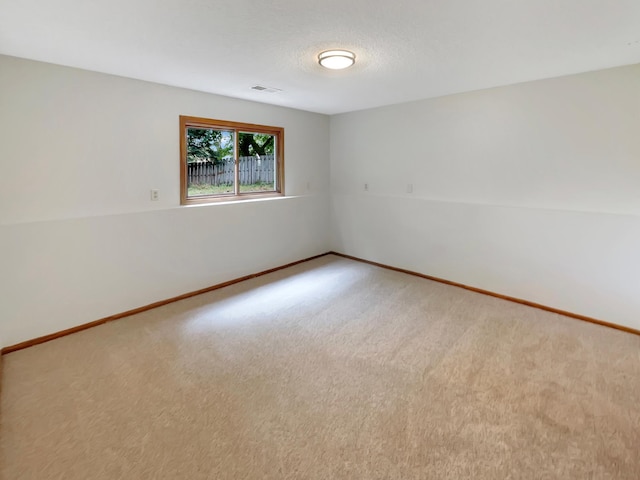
column 261, row 88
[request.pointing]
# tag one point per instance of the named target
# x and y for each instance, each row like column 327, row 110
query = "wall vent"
column 262, row 88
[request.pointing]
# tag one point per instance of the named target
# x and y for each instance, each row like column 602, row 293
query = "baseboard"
column 493, row 294
column 85, row 326
column 95, row 323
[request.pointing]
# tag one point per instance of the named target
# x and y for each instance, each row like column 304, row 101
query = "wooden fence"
column 252, row 170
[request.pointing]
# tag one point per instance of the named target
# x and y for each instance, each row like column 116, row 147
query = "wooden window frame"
column 238, row 127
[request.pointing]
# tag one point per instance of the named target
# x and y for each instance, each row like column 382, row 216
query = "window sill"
column 231, row 199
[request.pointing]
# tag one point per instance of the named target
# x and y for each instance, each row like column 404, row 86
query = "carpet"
column 330, row 369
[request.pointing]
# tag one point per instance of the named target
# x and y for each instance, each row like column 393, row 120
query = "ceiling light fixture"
column 337, row 59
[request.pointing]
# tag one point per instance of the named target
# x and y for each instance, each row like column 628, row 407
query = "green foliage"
column 216, row 146
column 251, row 144
column 208, row 145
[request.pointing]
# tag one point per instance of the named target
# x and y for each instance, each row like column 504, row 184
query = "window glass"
column 222, row 160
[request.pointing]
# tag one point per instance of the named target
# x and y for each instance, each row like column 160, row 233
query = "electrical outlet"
column 155, row 195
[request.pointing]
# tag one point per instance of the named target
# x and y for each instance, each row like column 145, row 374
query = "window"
column 222, row 160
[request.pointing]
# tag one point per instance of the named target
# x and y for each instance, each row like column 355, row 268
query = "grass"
column 199, row 190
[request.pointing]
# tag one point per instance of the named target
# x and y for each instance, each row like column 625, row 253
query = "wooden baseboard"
column 493, row 294
column 95, row 323
column 85, row 326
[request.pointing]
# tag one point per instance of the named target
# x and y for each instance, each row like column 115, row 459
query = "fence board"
column 251, row 170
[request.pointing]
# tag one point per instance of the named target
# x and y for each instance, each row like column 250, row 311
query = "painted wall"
column 531, row 190
column 80, row 238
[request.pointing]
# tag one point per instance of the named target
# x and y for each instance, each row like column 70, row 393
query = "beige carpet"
column 331, row 369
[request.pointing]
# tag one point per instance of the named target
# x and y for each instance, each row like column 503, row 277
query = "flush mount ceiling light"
column 337, row 59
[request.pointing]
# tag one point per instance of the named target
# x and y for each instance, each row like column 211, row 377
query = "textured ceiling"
column 406, row 50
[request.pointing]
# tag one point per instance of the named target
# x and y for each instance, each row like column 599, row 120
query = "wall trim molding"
column 496, row 295
column 117, row 316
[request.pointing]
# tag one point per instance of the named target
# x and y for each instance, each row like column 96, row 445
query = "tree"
column 208, row 145
column 250, row 144
column 216, row 146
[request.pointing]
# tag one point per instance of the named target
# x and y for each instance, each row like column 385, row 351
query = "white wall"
column 531, row 190
column 80, row 238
